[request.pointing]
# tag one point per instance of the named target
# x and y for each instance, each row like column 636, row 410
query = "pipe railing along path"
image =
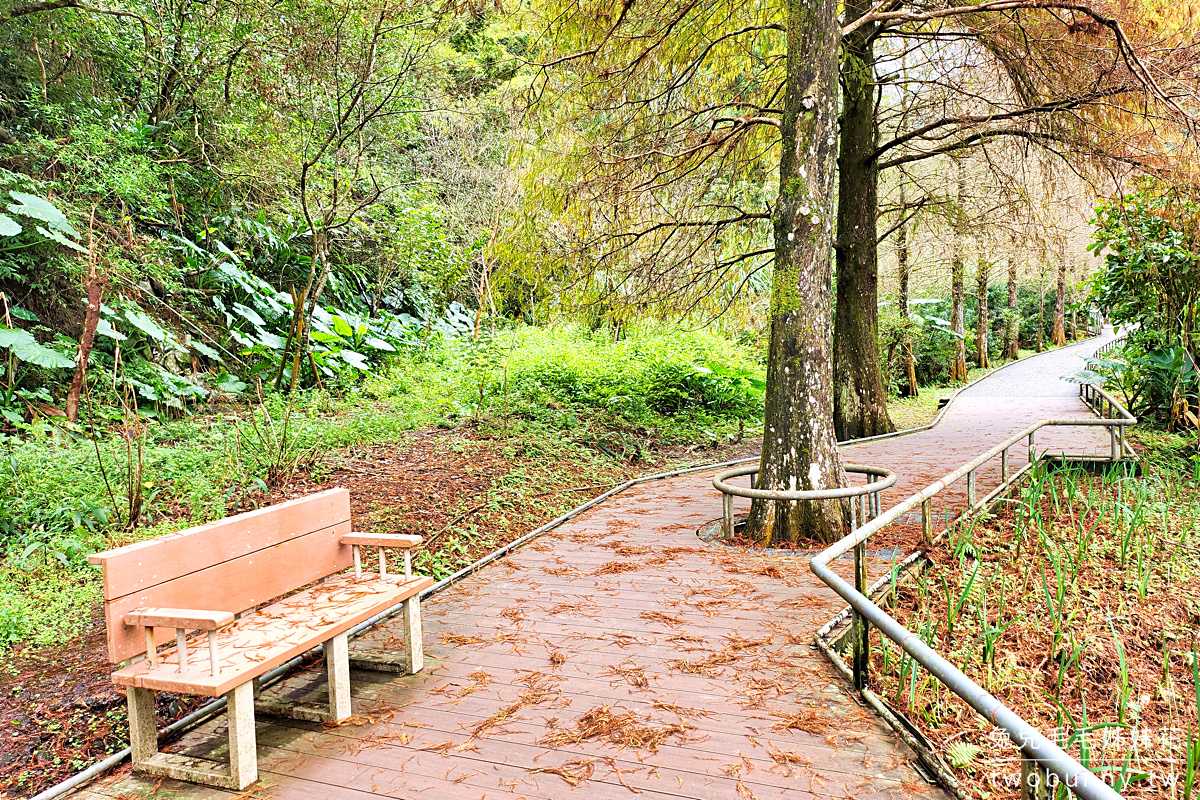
column 1040, row 754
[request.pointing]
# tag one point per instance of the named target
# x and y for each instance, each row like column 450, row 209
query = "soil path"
column 620, row 655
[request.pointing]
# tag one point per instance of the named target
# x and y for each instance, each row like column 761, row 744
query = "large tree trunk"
column 1012, row 329
column 982, row 325
column 799, row 448
column 909, row 387
column 1059, row 335
column 859, row 396
column 958, row 360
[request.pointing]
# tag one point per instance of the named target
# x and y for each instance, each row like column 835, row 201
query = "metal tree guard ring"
column 878, row 479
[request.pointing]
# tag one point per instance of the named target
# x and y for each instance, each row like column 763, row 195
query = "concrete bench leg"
column 243, row 751
column 337, row 667
column 243, row 756
column 143, row 730
column 414, row 648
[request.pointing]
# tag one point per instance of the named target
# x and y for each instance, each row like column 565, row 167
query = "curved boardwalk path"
column 691, row 663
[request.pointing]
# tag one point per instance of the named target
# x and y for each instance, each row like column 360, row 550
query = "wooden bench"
column 229, row 600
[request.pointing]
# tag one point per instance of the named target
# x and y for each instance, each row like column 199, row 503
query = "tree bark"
column 859, row 396
column 1041, row 308
column 909, row 388
column 799, row 447
column 91, row 318
column 1012, row 329
column 958, row 360
column 982, row 321
column 1059, row 335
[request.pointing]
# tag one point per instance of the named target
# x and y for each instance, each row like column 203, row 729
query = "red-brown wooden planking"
column 382, row 539
column 143, row 564
column 279, row 632
column 234, row 585
column 186, row 618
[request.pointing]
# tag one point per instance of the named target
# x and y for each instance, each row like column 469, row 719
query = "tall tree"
column 860, row 398
column 958, row 358
column 1058, row 335
column 1012, row 315
column 982, row 276
column 909, row 388
column 799, row 446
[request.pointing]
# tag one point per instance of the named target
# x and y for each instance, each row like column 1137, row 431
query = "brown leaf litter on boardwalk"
column 623, row 640
column 583, row 607
column 540, row 688
column 678, row 710
column 658, row 616
column 616, row 568
column 367, row 716
column 712, row 666
column 623, row 548
column 631, row 673
column 479, row 679
column 788, row 760
column 804, row 719
column 514, row 613
column 574, row 772
column 450, row 637
column 379, row 738
column 625, row 729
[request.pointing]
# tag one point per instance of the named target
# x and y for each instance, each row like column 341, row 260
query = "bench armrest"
column 185, row 618
column 382, row 540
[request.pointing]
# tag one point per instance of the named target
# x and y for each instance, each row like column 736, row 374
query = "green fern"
column 962, row 754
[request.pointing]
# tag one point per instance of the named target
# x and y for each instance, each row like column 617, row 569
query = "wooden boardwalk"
column 618, row 655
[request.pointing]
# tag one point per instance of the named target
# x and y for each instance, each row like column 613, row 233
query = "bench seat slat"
column 187, row 618
column 382, row 539
column 276, row 633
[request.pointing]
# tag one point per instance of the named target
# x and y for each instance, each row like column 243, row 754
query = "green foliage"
column 1150, row 284
column 1151, row 277
column 48, row 222
column 15, row 620
column 636, row 379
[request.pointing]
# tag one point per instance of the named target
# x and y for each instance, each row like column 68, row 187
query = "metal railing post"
column 1112, row 435
column 927, row 520
column 862, row 629
column 1004, row 466
column 727, row 515
column 970, row 490
column 1032, row 450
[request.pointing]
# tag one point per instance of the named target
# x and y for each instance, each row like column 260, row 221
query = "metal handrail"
column 1036, row 747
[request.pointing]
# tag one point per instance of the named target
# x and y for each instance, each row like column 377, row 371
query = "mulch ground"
column 465, row 491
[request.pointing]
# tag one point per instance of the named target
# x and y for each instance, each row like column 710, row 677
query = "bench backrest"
column 233, row 564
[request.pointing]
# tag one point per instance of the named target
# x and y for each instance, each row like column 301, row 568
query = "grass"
column 1076, row 605
column 559, row 397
